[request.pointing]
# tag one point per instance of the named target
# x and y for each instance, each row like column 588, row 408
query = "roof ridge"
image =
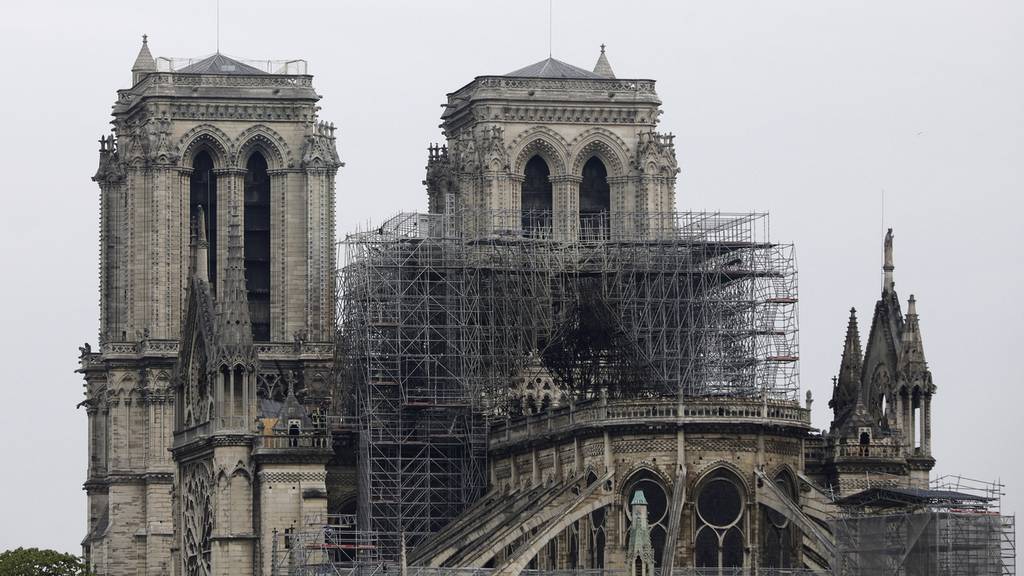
column 552, row 67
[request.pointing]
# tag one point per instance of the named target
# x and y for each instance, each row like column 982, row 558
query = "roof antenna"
column 550, row 26
column 218, row 26
column 883, row 229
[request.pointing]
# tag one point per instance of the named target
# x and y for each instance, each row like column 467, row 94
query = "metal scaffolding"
column 959, row 531
column 336, row 548
column 440, row 312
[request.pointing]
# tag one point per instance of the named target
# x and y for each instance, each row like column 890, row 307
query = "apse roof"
column 552, row 68
column 219, row 64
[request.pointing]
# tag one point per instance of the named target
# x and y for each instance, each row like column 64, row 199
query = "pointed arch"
column 536, row 197
column 203, row 197
column 719, row 514
column 257, row 237
column 544, row 142
column 205, row 137
column 606, row 146
column 647, row 478
column 268, row 142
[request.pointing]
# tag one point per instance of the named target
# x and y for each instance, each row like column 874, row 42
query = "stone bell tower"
column 553, row 150
column 240, row 143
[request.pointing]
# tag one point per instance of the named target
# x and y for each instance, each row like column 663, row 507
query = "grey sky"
column 807, row 109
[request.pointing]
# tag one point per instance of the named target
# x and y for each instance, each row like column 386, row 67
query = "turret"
column 603, row 68
column 144, row 62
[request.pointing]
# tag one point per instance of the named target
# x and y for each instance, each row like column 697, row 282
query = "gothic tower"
column 881, row 401
column 553, row 150
column 233, row 151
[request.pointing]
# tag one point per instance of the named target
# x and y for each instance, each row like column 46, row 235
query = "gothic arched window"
column 203, row 192
column 779, row 536
column 257, row 245
column 718, row 541
column 536, row 198
column 657, row 508
column 595, row 199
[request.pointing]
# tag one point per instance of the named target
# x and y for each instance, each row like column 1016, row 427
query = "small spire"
column 144, row 62
column 603, row 68
column 912, row 365
column 846, row 387
column 200, row 264
column 888, row 284
column 852, row 357
column 233, row 299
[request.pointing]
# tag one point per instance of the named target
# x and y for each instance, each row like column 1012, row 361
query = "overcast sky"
column 805, row 109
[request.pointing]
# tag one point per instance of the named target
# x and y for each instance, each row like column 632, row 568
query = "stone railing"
column 596, row 84
column 269, row 350
column 274, row 350
column 146, row 347
column 216, row 425
column 289, row 441
column 871, row 451
column 607, row 413
column 229, row 80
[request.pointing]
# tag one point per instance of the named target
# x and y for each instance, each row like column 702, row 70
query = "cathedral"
column 552, row 370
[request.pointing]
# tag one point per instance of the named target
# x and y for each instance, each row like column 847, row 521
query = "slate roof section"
column 551, row 68
column 220, row 64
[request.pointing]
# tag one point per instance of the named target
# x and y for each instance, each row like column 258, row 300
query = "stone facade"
column 214, row 436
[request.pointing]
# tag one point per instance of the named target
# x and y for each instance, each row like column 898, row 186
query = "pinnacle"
column 233, row 305
column 144, row 62
column 603, row 68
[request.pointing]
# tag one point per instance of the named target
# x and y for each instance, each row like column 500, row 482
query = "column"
column 926, row 424
column 279, row 226
column 229, row 183
column 515, row 201
column 565, row 207
column 621, row 228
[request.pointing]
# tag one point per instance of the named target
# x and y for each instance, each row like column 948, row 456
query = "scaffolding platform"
column 953, row 528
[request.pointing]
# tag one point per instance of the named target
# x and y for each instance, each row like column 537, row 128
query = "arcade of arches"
column 537, row 198
column 256, row 234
